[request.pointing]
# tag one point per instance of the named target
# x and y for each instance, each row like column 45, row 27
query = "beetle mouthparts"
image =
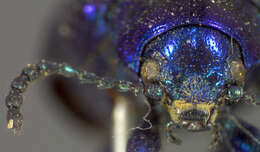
column 194, row 115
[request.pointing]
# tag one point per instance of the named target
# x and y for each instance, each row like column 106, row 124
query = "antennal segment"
column 32, row 72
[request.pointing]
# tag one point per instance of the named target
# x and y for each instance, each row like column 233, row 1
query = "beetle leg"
column 33, row 72
column 250, row 99
column 236, row 134
column 216, row 138
column 252, row 85
column 170, row 135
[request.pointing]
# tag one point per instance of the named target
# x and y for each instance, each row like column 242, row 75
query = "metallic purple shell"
column 138, row 21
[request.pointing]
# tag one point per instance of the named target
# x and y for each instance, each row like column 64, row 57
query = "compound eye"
column 235, row 93
column 154, row 91
column 238, row 71
column 150, row 70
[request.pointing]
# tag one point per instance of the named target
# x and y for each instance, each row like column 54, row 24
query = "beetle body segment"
column 144, row 21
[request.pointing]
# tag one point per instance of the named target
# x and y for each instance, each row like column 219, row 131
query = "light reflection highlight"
column 89, row 9
column 170, row 48
column 212, row 44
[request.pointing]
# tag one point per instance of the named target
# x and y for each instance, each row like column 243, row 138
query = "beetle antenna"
column 45, row 68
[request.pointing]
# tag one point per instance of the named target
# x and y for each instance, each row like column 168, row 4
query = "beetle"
column 191, row 57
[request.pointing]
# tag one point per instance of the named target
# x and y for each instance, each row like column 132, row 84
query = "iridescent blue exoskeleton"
column 192, row 58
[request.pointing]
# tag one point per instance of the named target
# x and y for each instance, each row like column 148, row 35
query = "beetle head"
column 189, row 70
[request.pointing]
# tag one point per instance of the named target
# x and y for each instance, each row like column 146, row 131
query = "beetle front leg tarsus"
column 170, row 135
column 216, row 139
